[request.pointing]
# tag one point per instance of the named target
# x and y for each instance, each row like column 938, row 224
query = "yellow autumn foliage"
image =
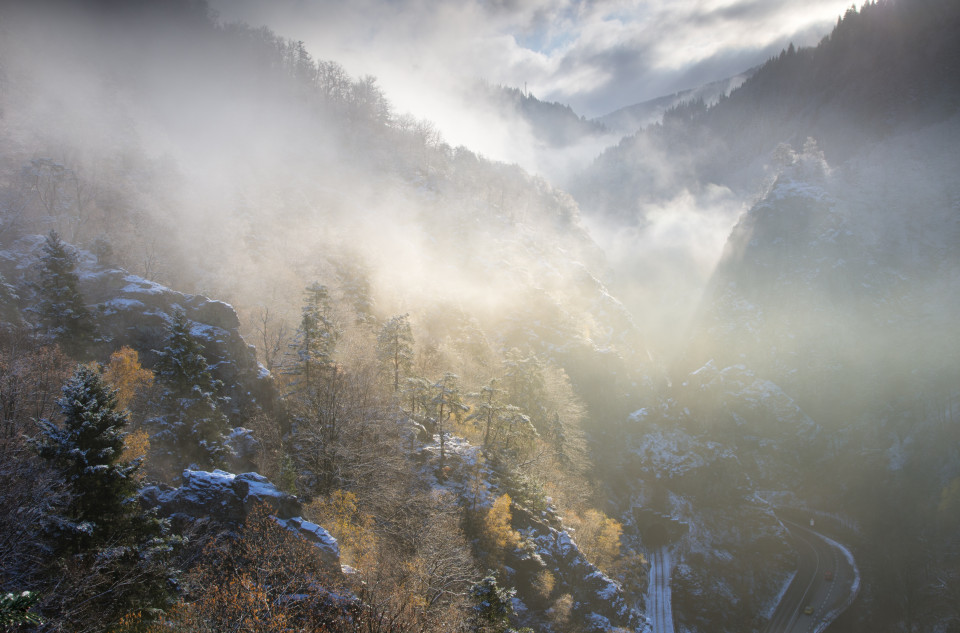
column 340, row 515
column 125, row 374
column 496, row 524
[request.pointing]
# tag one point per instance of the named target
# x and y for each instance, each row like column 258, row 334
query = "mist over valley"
column 548, row 316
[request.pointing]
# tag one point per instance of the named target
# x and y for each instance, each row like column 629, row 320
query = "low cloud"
column 664, row 263
column 595, row 55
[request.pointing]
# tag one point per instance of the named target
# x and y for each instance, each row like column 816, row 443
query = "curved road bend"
column 658, row 595
column 817, row 557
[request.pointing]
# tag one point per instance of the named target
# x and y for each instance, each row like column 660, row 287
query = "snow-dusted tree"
column 448, row 404
column 101, row 527
column 525, row 385
column 316, row 338
column 507, row 431
column 355, row 290
column 15, row 610
column 487, row 409
column 191, row 430
column 493, row 605
column 395, row 348
column 86, row 450
column 61, row 307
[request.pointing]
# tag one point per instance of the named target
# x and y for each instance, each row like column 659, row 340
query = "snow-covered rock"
column 227, row 498
column 222, row 496
column 599, row 599
column 130, row 310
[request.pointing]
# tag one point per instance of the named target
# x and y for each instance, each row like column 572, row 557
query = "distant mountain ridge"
column 629, row 119
column 889, row 65
column 552, row 123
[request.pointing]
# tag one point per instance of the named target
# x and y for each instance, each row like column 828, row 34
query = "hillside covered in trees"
column 414, row 310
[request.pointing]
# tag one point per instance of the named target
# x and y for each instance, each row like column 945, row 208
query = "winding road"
column 826, row 582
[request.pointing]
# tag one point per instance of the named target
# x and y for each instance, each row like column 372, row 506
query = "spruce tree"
column 192, row 428
column 101, row 526
column 61, row 307
column 316, row 337
column 493, row 606
column 86, row 451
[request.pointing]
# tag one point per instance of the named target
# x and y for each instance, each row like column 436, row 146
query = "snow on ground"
column 659, row 596
column 672, row 452
column 775, row 602
column 314, row 533
column 139, row 285
column 119, row 304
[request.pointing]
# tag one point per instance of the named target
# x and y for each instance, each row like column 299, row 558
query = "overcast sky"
column 595, row 55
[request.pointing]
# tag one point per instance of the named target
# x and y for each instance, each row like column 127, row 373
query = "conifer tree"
column 507, row 431
column 15, row 610
column 61, row 307
column 102, row 525
column 8, row 306
column 395, row 348
column 316, row 337
column 86, row 451
column 448, row 403
column 525, row 385
column 488, row 409
column 192, row 428
column 493, row 606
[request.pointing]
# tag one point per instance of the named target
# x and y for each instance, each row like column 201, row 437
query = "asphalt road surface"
column 825, row 583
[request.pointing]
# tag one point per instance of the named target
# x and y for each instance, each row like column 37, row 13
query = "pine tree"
column 102, row 525
column 192, row 429
column 61, row 307
column 488, row 409
column 15, row 609
column 395, row 348
column 8, row 306
column 525, row 385
column 507, row 431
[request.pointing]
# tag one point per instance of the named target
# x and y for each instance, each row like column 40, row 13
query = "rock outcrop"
column 131, row 310
column 228, row 499
column 599, row 599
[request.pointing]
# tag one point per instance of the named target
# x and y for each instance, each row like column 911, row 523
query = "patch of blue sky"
column 545, row 40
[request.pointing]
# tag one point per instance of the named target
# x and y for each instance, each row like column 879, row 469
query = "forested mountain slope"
column 411, row 303
column 836, row 292
column 889, row 66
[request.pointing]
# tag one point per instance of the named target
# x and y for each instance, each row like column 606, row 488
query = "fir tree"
column 61, row 307
column 86, row 451
column 493, row 606
column 192, row 429
column 316, row 337
column 102, row 525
